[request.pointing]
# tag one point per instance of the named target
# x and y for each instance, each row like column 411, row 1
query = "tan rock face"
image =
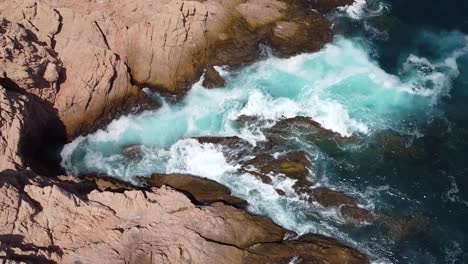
column 11, row 123
column 22, row 118
column 27, row 62
column 43, row 220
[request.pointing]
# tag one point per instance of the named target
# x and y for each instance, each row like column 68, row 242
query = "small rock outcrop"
column 295, row 165
column 347, row 204
column 212, row 79
column 202, row 190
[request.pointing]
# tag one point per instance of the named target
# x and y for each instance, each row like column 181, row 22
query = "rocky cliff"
column 68, row 67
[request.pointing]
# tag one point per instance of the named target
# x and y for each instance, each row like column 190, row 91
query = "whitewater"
column 342, row 87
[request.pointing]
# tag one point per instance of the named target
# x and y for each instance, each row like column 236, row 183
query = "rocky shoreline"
column 68, row 68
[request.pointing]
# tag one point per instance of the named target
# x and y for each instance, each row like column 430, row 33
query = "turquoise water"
column 347, row 88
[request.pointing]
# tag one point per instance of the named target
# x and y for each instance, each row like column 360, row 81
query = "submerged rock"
column 396, row 147
column 404, row 227
column 133, row 152
column 230, row 142
column 356, row 214
column 202, row 190
column 331, row 198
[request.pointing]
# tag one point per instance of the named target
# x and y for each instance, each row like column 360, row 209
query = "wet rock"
column 133, row 152
column 285, row 30
column 213, row 79
column 309, row 131
column 295, row 165
column 245, row 120
column 311, row 249
column 233, row 148
column 355, row 214
column 280, row 192
column 231, row 142
column 202, row 190
column 330, row 198
column 307, row 125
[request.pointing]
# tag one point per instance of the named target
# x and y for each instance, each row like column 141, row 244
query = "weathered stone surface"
column 27, row 62
column 310, row 249
column 44, row 222
column 23, row 119
column 202, row 190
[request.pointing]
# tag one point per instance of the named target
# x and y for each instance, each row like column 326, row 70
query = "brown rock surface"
column 202, row 190
column 27, row 62
column 311, row 249
column 23, row 118
column 356, row 214
column 42, row 221
column 212, row 79
column 295, row 165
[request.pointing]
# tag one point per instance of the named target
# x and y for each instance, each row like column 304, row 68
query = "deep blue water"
column 433, row 184
column 395, row 77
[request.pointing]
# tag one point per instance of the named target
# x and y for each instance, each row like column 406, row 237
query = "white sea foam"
column 340, row 87
column 189, row 156
column 361, row 9
column 67, row 153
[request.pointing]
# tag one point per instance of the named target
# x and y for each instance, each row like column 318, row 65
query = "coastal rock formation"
column 68, row 67
column 22, row 119
column 46, row 221
column 86, row 58
column 27, row 62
